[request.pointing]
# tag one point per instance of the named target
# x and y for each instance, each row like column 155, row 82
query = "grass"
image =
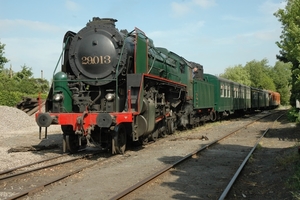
column 294, row 181
column 291, row 161
column 259, row 146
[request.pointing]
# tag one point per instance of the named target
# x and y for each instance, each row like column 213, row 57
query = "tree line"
column 259, row 74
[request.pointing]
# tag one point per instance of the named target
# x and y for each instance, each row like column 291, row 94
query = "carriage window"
column 222, row 91
column 234, row 92
column 229, row 91
column 248, row 94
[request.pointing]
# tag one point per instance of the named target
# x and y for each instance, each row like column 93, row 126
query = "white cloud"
column 24, row 26
column 180, row 9
column 72, row 6
column 205, row 3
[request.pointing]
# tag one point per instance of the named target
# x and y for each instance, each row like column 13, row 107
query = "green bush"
column 294, row 115
column 8, row 98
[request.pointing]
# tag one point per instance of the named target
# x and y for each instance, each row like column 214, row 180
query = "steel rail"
column 43, row 167
column 30, row 164
column 42, row 186
column 237, row 173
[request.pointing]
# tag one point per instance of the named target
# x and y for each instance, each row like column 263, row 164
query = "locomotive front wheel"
column 119, row 140
column 154, row 135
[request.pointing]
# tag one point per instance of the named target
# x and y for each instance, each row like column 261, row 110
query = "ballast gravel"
column 20, row 130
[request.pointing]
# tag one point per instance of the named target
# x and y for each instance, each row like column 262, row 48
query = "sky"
column 215, row 33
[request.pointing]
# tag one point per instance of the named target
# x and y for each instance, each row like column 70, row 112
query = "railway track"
column 214, row 187
column 124, row 173
column 30, row 178
column 238, row 172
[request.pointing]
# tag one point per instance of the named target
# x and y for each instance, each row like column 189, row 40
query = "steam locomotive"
column 116, row 86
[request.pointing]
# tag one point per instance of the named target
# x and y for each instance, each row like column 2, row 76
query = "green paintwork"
column 168, row 65
column 141, row 57
column 241, row 97
column 222, row 102
column 60, row 85
column 259, row 98
column 203, row 95
column 159, row 61
column 229, row 96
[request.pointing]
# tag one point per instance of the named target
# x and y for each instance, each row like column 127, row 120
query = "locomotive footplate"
column 81, row 121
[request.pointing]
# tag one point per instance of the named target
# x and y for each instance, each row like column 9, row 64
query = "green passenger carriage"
column 229, row 97
column 260, row 99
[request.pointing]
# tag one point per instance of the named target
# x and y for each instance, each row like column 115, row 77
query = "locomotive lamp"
column 110, row 96
column 58, row 97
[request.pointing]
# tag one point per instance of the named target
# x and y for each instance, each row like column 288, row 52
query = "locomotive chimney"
column 109, row 21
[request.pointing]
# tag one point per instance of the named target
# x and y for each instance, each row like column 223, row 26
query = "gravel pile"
column 13, row 119
column 20, row 130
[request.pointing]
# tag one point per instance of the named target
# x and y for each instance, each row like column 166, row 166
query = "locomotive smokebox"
column 95, row 52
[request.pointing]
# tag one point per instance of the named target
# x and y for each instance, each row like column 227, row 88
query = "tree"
column 3, row 59
column 282, row 79
column 42, row 85
column 259, row 73
column 28, row 84
column 256, row 74
column 289, row 43
column 237, row 74
column 25, row 73
column 7, row 83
